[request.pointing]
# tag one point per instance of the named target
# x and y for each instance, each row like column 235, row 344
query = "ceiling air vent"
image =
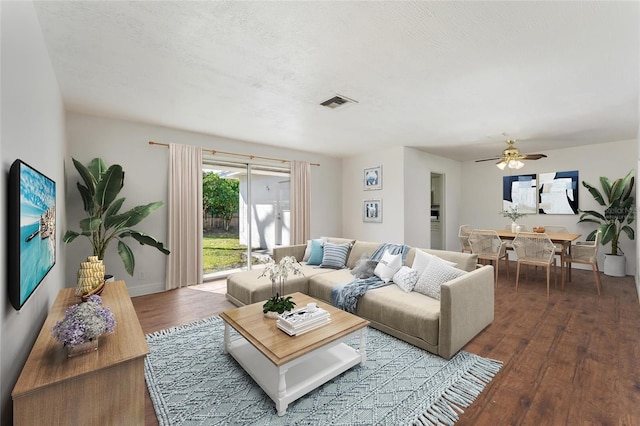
column 337, row 102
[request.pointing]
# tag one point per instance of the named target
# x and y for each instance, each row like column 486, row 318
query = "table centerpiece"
column 513, row 214
column 278, row 274
column 82, row 326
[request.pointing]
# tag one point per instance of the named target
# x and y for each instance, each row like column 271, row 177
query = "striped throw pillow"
column 335, row 255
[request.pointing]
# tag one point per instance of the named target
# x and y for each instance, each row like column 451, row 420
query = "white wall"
column 452, row 197
column 405, row 194
column 145, row 166
column 32, row 117
column 482, row 188
column 391, row 229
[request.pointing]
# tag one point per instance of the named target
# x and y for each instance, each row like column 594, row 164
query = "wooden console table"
column 105, row 387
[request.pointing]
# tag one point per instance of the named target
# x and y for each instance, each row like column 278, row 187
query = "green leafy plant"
column 104, row 222
column 512, row 213
column 220, row 197
column 618, row 202
column 278, row 304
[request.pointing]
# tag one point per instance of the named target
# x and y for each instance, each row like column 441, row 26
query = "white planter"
column 615, row 266
column 513, row 227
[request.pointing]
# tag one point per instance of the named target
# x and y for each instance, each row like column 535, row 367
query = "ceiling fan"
column 512, row 158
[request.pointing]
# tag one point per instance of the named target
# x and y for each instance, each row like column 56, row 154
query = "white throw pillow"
column 388, row 266
column 421, row 260
column 437, row 272
column 406, row 278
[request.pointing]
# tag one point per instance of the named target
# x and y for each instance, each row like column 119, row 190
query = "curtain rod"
column 214, row 151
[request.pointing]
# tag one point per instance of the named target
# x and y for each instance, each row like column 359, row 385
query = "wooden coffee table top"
column 277, row 345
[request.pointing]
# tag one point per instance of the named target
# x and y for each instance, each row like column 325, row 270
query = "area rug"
column 192, row 382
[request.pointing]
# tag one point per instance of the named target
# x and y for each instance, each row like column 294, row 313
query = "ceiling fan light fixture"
column 511, row 163
column 515, row 164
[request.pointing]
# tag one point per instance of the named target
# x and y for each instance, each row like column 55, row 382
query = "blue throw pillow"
column 315, row 258
column 335, row 255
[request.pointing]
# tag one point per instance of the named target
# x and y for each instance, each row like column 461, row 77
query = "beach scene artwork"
column 37, row 229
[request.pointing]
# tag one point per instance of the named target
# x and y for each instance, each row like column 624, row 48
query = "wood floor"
column 573, row 359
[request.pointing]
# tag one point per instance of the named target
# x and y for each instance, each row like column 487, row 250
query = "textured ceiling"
column 451, row 78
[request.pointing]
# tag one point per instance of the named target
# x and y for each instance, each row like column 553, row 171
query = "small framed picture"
column 372, row 211
column 373, row 178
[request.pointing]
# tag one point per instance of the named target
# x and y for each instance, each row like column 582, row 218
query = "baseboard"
column 144, row 289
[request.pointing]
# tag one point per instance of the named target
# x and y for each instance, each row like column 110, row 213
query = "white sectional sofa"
column 443, row 327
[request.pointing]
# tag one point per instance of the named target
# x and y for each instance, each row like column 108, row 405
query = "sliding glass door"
column 246, row 214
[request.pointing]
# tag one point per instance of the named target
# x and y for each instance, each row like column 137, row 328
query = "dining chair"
column 537, row 250
column 488, row 246
column 585, row 252
column 463, row 234
column 509, row 243
column 555, row 229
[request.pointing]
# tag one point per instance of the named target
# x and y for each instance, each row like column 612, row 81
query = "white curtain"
column 184, row 264
column 300, row 202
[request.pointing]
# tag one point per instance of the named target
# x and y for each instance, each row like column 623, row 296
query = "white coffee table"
column 288, row 367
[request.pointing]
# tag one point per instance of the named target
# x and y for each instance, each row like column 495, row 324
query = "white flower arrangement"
column 278, row 274
column 281, row 270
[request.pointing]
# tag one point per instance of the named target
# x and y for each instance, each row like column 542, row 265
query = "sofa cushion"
column 317, row 252
column 436, row 273
column 422, row 259
column 388, row 266
column 465, row 261
column 244, row 288
column 335, row 255
column 411, row 313
column 320, row 285
column 359, row 249
column 406, row 278
column 364, row 268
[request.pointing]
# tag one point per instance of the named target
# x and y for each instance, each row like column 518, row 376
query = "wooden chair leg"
column 548, row 278
column 596, row 275
column 565, row 272
column 506, row 264
column 517, row 275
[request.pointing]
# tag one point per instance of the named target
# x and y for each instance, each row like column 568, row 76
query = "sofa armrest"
column 296, row 251
column 466, row 308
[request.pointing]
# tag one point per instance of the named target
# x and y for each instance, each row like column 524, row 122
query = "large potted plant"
column 619, row 204
column 104, row 222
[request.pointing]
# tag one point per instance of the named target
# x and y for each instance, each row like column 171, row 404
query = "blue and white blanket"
column 346, row 296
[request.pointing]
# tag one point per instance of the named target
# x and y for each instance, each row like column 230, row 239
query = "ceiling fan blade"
column 489, row 159
column 533, row 156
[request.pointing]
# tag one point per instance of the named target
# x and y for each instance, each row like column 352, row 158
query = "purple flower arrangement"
column 84, row 322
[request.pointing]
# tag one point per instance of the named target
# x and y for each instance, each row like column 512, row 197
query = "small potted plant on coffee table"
column 278, row 274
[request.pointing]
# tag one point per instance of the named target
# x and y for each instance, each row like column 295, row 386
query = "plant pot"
column 83, row 348
column 514, row 227
column 615, row 265
column 271, row 314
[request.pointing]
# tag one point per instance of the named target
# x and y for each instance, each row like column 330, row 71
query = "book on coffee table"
column 302, row 320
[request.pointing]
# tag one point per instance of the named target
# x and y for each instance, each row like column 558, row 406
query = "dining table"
column 562, row 238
